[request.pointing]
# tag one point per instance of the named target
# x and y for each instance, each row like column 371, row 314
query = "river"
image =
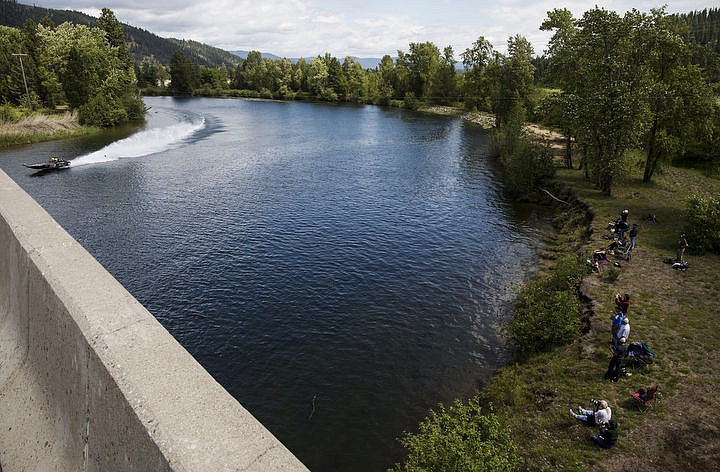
column 338, row 269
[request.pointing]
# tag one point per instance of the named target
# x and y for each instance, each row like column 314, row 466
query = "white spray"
column 143, row 143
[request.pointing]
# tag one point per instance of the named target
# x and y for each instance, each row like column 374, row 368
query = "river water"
column 338, row 269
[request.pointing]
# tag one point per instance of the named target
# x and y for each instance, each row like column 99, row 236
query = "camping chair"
column 645, row 397
column 639, row 354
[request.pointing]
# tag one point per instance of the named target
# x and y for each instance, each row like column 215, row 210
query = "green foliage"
column 78, row 65
column 462, row 438
column 10, row 114
column 99, row 111
column 525, row 163
column 411, row 102
column 703, row 223
column 611, row 275
column 548, row 309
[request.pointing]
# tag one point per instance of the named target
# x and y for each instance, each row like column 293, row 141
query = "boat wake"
column 144, row 143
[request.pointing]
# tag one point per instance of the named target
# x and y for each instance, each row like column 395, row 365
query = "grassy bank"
column 39, row 127
column 677, row 313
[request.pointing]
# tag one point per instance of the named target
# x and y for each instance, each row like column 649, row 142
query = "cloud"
column 367, row 28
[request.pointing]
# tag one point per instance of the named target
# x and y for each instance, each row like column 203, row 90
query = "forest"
column 88, row 69
column 610, row 83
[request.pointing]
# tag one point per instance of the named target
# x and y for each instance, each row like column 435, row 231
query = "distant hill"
column 143, row 45
column 705, row 26
column 365, row 62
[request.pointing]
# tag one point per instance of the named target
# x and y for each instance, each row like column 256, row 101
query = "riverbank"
column 676, row 313
column 40, row 127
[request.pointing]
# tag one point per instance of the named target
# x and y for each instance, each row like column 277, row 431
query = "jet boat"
column 53, row 163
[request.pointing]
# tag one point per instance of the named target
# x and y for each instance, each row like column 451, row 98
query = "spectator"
column 600, row 414
column 616, row 323
column 624, row 331
column 633, row 234
column 607, row 436
column 682, row 245
column 615, row 367
column 622, row 302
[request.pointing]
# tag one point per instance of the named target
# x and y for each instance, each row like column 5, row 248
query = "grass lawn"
column 676, row 313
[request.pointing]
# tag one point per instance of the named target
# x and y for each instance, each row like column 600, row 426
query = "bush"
column 10, row 114
column 703, row 223
column 567, row 274
column 461, row 439
column 525, row 163
column 611, row 275
column 411, row 102
column 544, row 317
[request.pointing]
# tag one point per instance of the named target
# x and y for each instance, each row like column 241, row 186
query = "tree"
column 386, row 70
column 183, row 74
column 596, row 60
column 422, row 63
column 475, row 60
column 354, row 80
column 510, row 79
column 115, row 35
column 445, row 84
column 680, row 102
column 462, row 438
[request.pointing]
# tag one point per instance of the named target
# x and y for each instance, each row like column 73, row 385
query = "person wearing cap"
column 624, row 215
column 615, row 367
column 624, row 330
column 600, row 414
column 615, row 324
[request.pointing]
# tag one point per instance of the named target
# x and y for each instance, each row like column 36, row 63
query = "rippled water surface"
column 339, row 270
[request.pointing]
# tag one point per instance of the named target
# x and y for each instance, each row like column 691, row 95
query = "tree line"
column 611, row 83
column 84, row 68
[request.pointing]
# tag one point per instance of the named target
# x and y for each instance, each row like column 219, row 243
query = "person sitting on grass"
column 600, row 414
column 599, row 256
column 607, row 436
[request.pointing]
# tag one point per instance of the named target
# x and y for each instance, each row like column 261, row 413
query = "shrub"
column 703, row 223
column 567, row 274
column 525, row 163
column 411, row 102
column 10, row 114
column 544, row 317
column 611, row 275
column 460, row 439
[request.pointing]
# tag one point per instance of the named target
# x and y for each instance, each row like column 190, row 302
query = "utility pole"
column 24, row 80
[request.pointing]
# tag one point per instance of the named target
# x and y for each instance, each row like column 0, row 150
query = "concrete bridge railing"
column 90, row 381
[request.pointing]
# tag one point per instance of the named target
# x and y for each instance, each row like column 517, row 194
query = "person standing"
column 622, row 302
column 615, row 367
column 624, row 331
column 616, row 323
column 682, row 245
column 633, row 234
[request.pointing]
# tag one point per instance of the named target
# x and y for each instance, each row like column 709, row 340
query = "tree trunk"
column 568, row 151
column 652, row 153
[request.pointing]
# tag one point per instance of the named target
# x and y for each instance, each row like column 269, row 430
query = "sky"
column 360, row 28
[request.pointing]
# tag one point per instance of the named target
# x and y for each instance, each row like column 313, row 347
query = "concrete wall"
column 90, row 381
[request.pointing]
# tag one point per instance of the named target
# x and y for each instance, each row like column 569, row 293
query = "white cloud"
column 367, row 28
